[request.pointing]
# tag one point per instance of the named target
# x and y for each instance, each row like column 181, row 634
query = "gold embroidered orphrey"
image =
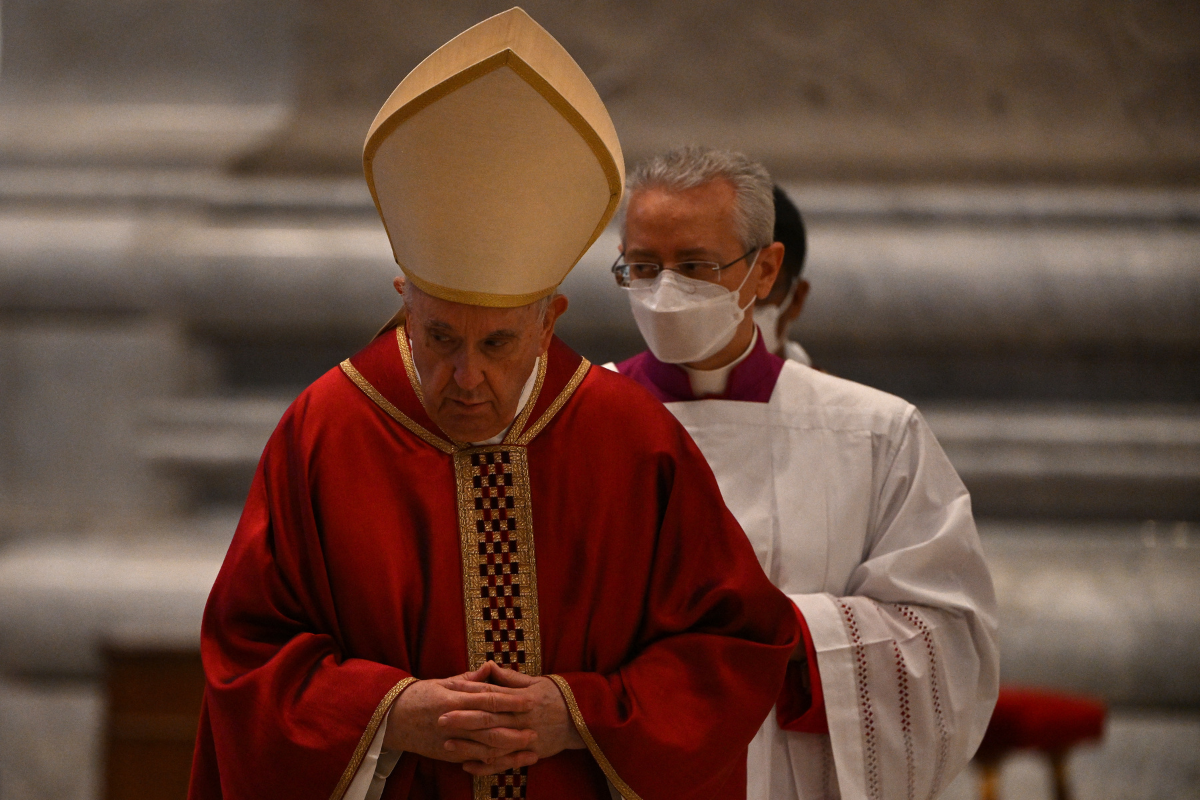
column 499, row 566
column 499, row 575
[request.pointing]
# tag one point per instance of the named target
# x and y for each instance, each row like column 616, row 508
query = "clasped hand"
column 489, row 720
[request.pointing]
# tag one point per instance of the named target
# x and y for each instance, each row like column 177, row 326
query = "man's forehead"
column 713, row 195
column 695, row 222
column 478, row 327
column 433, row 313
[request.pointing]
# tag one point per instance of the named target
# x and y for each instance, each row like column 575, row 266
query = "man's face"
column 666, row 227
column 474, row 360
column 697, row 224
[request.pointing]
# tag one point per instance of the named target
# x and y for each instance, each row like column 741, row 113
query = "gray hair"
column 688, row 167
column 412, row 291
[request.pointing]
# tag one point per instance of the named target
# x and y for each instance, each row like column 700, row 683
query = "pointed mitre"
column 494, row 165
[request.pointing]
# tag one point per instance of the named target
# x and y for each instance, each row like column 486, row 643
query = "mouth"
column 467, row 406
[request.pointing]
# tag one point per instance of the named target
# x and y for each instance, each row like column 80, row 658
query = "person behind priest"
column 851, row 505
column 470, row 565
column 776, row 312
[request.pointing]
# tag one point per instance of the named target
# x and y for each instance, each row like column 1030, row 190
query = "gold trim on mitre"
column 494, row 165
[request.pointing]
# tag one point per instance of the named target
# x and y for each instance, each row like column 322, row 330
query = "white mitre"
column 494, row 165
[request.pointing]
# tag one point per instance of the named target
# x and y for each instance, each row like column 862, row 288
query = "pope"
column 471, row 565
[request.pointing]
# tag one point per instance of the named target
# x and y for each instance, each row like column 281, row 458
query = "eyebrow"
column 686, row 253
column 448, row 328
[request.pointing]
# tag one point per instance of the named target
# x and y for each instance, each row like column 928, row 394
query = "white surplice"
column 857, row 515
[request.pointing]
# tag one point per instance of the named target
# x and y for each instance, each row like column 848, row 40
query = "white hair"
column 688, row 167
column 412, row 291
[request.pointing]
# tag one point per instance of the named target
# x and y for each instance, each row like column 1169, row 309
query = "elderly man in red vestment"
column 471, row 565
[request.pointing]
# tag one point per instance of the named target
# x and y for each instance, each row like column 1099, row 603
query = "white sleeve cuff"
column 375, row 768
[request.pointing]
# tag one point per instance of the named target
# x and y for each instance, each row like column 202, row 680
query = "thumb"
column 488, row 672
column 511, row 679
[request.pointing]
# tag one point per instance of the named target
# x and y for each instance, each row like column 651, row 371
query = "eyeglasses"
column 709, row 271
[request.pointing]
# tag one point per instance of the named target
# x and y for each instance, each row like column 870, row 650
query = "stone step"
column 952, row 285
column 1030, row 461
column 1112, row 610
column 1076, row 461
column 225, row 191
column 209, row 433
column 932, row 293
column 1107, row 609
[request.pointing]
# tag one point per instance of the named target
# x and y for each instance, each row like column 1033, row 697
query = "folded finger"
column 489, row 745
column 500, row 739
column 511, row 679
column 482, row 675
column 470, row 750
column 464, row 720
column 460, row 684
column 494, row 702
column 523, row 758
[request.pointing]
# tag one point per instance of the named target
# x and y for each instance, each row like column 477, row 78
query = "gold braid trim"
column 364, row 741
column 514, row 436
column 580, row 373
column 409, row 365
column 519, row 423
column 581, row 725
column 393, row 412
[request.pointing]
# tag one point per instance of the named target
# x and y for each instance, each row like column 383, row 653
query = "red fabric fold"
column 345, row 575
column 801, row 704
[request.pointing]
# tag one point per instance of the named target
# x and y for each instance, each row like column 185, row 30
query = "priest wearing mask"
column 851, row 505
column 471, row 565
column 776, row 312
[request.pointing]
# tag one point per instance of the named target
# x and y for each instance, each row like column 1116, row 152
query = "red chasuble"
column 591, row 546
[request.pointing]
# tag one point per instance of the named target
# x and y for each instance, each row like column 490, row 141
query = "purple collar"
column 751, row 381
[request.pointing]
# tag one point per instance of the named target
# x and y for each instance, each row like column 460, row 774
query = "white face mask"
column 767, row 320
column 684, row 320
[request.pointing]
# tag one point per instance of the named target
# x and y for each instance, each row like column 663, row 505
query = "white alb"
column 858, row 516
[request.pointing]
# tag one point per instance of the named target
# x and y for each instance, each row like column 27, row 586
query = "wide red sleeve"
column 801, row 704
column 675, row 720
column 285, row 713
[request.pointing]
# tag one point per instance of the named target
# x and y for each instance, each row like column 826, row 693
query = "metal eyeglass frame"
column 621, row 271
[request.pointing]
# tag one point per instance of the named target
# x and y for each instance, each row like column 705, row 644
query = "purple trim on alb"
column 751, row 381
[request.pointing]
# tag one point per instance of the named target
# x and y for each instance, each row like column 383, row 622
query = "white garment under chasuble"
column 858, row 516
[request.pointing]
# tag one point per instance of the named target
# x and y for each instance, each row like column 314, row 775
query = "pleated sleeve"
column 674, row 721
column 285, row 712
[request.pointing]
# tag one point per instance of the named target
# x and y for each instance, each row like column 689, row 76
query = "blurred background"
column 1003, row 201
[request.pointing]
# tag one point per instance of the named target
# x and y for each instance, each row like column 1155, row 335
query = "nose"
column 468, row 369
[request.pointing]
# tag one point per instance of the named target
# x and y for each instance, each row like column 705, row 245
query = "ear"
column 558, row 305
column 620, row 252
column 770, row 260
column 398, row 283
column 797, row 304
